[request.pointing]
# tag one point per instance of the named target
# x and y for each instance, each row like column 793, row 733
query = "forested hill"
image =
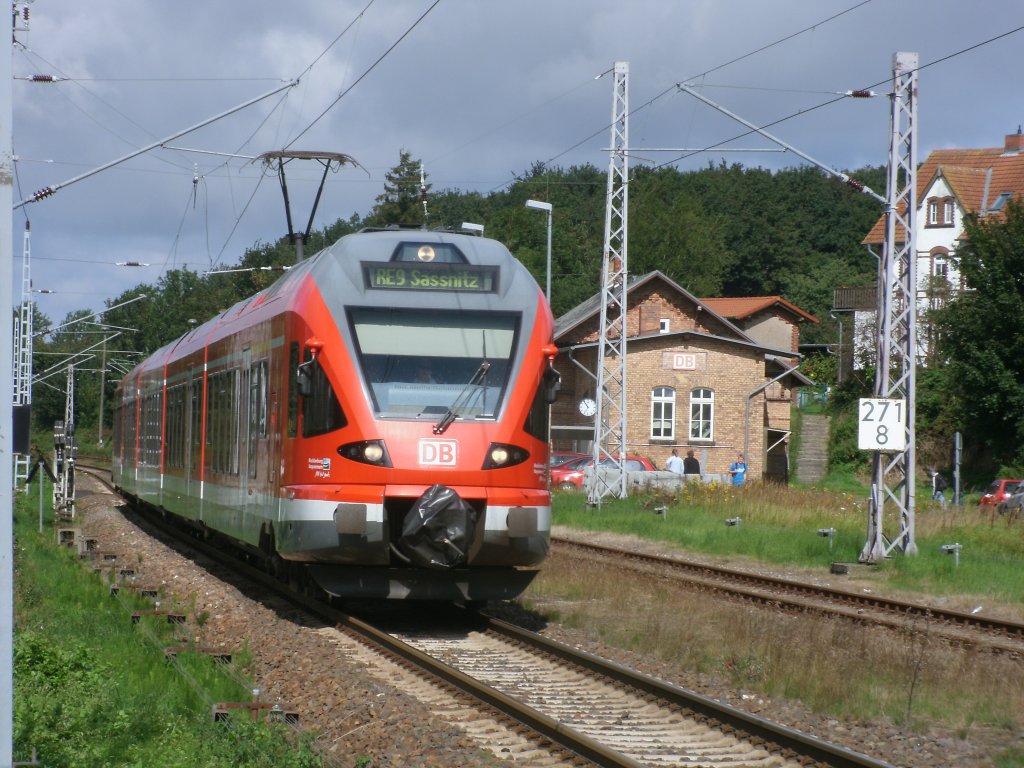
column 721, row 231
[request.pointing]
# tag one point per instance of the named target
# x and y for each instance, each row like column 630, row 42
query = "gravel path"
column 363, row 708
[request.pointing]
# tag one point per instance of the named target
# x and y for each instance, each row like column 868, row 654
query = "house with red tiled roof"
column 770, row 320
column 696, row 379
column 951, row 184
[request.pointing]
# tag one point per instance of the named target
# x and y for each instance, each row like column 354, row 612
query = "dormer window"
column 1000, row 201
column 940, row 211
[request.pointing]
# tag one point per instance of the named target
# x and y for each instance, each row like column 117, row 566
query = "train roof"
column 342, row 263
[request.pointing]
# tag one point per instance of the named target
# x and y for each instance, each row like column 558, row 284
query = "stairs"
column 810, row 462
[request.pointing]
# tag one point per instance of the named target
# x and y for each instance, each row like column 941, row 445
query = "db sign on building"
column 438, row 453
column 684, row 361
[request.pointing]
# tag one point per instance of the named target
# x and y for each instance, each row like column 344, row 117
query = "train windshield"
column 420, row 363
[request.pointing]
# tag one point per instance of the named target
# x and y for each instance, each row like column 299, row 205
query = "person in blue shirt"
column 738, row 470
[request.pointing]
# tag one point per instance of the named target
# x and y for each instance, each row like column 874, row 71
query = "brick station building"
column 713, row 375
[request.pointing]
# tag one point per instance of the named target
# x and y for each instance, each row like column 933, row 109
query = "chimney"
column 1014, row 143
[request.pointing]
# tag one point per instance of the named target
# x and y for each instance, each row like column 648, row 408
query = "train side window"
column 116, row 437
column 151, row 417
column 293, row 389
column 257, row 410
column 258, row 399
column 196, row 437
column 222, row 421
column 175, row 414
column 210, row 432
column 538, row 418
column 131, row 432
column 321, row 411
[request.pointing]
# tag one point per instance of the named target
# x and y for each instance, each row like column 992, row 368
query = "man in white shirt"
column 674, row 463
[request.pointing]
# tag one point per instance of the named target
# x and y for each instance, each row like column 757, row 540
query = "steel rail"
column 767, row 731
column 1012, row 629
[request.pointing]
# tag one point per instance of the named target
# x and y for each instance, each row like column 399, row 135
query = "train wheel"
column 277, row 567
column 297, row 578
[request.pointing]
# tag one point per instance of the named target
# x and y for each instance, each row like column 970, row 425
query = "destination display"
column 464, row 278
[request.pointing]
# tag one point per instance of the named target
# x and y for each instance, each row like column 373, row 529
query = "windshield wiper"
column 464, row 398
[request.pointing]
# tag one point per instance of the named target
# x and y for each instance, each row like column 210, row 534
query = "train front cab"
column 366, row 438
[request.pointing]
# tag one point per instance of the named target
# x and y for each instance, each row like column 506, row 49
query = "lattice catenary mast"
column 893, row 480
column 65, row 451
column 23, row 354
column 610, row 419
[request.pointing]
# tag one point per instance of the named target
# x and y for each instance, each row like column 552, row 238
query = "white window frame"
column 703, row 398
column 662, row 399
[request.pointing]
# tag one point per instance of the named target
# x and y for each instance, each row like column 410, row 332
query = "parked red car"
column 561, row 476
column 998, row 492
column 569, row 476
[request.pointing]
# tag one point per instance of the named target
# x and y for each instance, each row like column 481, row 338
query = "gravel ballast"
column 365, row 709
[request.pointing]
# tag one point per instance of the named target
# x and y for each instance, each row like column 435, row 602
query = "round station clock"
column 588, row 407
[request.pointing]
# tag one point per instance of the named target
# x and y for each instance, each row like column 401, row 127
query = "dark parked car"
column 569, row 476
column 998, row 492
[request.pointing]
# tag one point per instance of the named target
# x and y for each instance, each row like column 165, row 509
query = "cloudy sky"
column 478, row 89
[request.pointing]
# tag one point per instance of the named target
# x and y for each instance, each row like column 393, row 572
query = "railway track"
column 564, row 706
column 617, row 717
column 969, row 629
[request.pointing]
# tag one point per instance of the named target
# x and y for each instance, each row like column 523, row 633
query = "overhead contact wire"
column 373, row 66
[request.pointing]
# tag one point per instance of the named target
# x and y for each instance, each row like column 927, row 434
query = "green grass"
column 781, row 526
column 833, row 666
column 91, row 689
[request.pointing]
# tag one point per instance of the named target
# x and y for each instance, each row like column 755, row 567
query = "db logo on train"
column 439, row 453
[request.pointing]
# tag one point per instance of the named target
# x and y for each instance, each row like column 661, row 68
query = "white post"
column 542, row 206
column 6, row 417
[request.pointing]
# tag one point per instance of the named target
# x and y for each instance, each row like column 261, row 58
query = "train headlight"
column 366, row 452
column 501, row 455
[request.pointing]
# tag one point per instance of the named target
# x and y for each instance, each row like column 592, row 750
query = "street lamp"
column 542, row 206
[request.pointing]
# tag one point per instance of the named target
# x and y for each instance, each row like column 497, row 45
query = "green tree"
column 671, row 232
column 982, row 335
column 401, row 202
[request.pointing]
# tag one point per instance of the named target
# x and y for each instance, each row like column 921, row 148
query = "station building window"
column 663, row 413
column 702, row 414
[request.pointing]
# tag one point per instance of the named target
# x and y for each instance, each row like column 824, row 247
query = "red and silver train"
column 376, row 420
